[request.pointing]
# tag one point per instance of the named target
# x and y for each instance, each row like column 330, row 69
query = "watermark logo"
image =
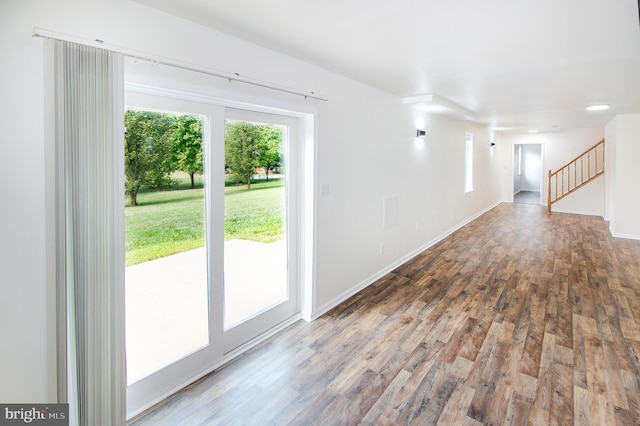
column 34, row 414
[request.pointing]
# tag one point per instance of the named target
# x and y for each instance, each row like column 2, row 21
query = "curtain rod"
column 159, row 60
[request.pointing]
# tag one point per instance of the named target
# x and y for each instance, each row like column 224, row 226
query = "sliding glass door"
column 211, row 234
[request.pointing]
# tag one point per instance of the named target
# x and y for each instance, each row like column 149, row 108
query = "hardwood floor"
column 518, row 318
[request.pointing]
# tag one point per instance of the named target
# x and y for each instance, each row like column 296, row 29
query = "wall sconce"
column 420, row 133
column 493, row 144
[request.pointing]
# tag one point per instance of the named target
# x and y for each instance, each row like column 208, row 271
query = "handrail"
column 583, row 154
column 593, row 156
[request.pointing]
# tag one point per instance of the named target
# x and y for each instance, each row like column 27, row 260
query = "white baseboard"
column 321, row 310
column 626, row 236
column 584, row 213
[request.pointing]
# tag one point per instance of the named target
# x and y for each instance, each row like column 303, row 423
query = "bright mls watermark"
column 34, row 414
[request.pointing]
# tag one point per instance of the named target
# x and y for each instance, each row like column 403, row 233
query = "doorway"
column 221, row 236
column 527, row 174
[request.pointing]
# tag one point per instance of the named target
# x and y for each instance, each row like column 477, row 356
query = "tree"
column 243, row 145
column 270, row 156
column 147, row 151
column 187, row 144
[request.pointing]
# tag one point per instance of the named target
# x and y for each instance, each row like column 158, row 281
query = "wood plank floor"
column 518, row 318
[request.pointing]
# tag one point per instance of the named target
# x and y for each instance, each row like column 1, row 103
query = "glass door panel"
column 255, row 247
column 166, row 258
column 173, row 280
column 259, row 291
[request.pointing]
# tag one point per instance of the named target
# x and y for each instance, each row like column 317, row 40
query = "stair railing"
column 576, row 173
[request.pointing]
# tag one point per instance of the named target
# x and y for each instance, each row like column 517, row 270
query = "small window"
column 468, row 163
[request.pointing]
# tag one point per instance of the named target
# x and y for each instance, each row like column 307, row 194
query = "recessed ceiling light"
column 599, row 107
column 532, row 131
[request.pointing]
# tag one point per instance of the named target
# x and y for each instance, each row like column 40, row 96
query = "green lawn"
column 169, row 222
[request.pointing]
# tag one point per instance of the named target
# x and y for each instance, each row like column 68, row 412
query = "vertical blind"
column 89, row 115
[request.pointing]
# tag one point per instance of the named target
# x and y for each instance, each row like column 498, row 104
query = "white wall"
column 365, row 152
column 623, row 205
column 24, row 361
column 557, row 149
column 610, row 175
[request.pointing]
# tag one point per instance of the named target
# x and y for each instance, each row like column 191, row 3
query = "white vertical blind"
column 90, row 206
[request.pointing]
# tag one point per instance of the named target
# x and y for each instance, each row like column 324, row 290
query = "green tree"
column 187, row 144
column 148, row 151
column 270, row 156
column 243, row 143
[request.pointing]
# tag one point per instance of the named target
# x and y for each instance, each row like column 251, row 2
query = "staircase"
column 576, row 173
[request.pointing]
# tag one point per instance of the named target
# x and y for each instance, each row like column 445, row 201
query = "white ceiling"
column 517, row 64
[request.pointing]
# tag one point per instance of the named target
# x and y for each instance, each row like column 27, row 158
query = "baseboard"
column 625, row 236
column 553, row 210
column 321, row 310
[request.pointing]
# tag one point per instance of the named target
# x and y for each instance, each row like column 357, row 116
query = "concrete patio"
column 166, row 300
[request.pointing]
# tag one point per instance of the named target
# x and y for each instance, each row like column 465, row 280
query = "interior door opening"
column 527, row 174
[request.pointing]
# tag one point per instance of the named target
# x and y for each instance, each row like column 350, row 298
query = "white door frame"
column 145, row 394
column 542, row 166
